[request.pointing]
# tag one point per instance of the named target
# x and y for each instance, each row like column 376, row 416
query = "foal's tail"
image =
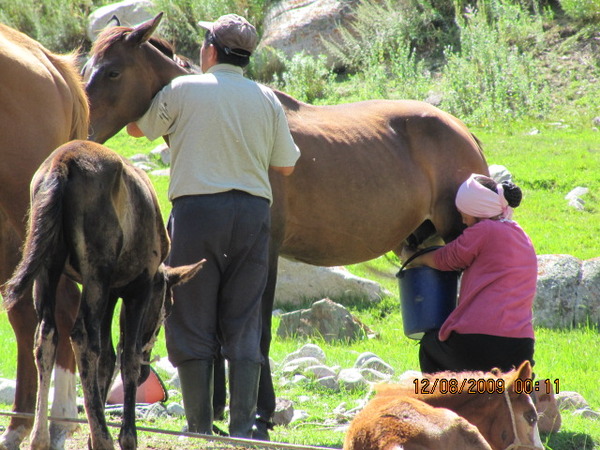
column 43, row 243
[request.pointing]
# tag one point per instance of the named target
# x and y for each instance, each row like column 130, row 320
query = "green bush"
column 383, row 27
column 496, row 75
column 181, row 16
column 307, row 78
column 58, row 24
column 584, row 10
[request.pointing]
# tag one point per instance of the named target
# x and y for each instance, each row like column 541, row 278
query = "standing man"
column 225, row 132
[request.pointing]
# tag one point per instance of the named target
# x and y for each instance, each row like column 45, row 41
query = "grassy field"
column 547, row 164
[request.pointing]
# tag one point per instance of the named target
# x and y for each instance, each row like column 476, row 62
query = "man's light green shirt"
column 224, row 132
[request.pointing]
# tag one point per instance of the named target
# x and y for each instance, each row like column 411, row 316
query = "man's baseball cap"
column 233, row 33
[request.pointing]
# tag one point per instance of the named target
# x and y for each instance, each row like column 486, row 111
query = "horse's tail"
column 67, row 66
column 44, row 234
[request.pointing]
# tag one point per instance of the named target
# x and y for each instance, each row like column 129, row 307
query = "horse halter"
column 516, row 442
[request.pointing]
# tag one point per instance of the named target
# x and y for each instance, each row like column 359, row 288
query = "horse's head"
column 160, row 305
column 518, row 429
column 127, row 67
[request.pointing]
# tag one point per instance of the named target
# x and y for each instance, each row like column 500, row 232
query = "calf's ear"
column 182, row 274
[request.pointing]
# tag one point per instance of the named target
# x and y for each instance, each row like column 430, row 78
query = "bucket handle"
column 417, row 254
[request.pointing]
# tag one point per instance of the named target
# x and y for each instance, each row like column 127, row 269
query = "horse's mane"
column 111, row 35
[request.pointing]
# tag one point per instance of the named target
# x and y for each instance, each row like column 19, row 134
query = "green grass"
column 547, row 165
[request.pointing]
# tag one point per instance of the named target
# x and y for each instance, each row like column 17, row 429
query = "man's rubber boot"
column 243, row 392
column 196, row 377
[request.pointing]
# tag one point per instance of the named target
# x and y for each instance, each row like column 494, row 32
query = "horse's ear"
column 143, row 31
column 524, row 372
column 113, row 22
column 182, row 274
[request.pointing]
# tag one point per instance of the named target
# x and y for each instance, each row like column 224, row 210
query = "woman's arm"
column 426, row 259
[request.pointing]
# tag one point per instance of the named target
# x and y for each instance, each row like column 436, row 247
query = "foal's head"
column 160, row 305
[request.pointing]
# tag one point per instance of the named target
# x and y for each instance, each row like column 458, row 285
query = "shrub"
column 496, row 75
column 307, row 78
column 584, row 10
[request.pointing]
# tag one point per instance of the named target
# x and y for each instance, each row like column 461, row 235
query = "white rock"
column 129, row 13
column 7, row 391
column 297, row 282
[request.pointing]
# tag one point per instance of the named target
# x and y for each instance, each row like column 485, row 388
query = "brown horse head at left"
column 95, row 218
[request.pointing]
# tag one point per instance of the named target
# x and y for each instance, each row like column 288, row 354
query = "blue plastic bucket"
column 427, row 297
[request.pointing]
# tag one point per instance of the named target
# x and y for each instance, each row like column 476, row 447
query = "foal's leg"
column 45, row 351
column 106, row 366
column 135, row 308
column 65, row 395
column 86, row 343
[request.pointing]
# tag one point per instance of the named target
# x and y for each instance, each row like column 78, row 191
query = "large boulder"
column 568, row 292
column 299, row 282
column 325, row 319
column 128, row 12
column 293, row 26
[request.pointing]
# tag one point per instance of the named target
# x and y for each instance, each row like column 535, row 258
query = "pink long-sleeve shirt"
column 498, row 283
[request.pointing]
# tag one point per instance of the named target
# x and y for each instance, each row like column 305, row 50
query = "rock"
column 499, row 173
column 307, row 351
column 574, row 197
column 374, row 376
column 571, row 400
column 587, row 413
column 160, row 172
column 7, row 391
column 298, row 282
column 146, row 167
column 299, row 415
column 319, row 371
column 557, row 285
column 379, row 365
column 165, row 365
column 326, row 319
column 155, row 410
column 293, row 26
column 163, row 152
column 284, row 412
column 175, row 409
column 129, row 13
column 364, row 357
column 588, row 293
column 351, row 380
column 298, row 365
column 139, row 157
column 330, row 383
column 568, row 291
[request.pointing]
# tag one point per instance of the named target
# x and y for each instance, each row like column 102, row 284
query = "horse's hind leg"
column 65, row 395
column 45, row 351
column 106, row 367
column 136, row 307
column 86, row 344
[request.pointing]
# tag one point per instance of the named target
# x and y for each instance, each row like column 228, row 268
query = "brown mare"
column 42, row 105
column 506, row 419
column 372, row 176
column 95, row 217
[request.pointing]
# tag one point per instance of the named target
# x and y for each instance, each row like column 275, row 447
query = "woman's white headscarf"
column 476, row 200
